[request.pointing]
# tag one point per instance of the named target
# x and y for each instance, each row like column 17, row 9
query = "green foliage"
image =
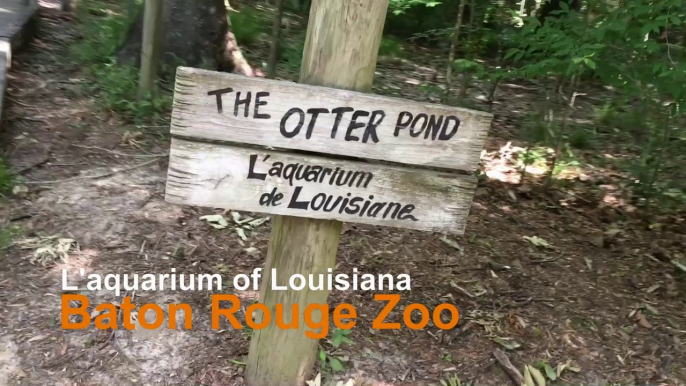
column 536, row 129
column 104, row 27
column 580, row 138
column 607, row 115
column 6, row 179
column 292, row 53
column 7, row 236
column 118, row 90
column 329, row 361
column 391, row 47
column 470, row 66
column 401, row 6
column 245, row 26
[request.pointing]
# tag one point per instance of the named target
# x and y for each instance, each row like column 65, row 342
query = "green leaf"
column 336, row 340
column 216, row 220
column 590, row 63
column 549, row 372
column 336, row 365
column 511, row 52
column 322, row 355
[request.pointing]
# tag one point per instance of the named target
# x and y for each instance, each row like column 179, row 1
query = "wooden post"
column 151, row 48
column 341, row 49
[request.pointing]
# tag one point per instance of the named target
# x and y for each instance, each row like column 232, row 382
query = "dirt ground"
column 599, row 295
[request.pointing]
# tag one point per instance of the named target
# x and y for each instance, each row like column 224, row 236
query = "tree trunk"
column 466, row 76
column 152, row 48
column 453, row 47
column 341, row 49
column 568, row 106
column 207, row 39
column 276, row 40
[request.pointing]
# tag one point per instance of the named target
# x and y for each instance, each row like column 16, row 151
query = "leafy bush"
column 118, row 88
column 6, row 179
column 292, row 53
column 391, row 47
column 580, row 139
column 245, row 26
column 104, row 28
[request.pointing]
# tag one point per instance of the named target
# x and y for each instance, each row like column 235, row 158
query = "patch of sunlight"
column 82, row 259
column 52, row 4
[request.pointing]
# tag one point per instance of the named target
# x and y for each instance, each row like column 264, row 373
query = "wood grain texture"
column 217, row 176
column 195, row 114
column 285, row 357
column 343, row 60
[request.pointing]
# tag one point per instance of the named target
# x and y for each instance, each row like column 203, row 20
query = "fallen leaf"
column 528, row 381
column 650, row 308
column 452, row 243
column 549, row 372
column 643, row 321
column 258, row 222
column 38, row 338
column 508, row 343
column 537, row 376
column 216, row 220
column 537, row 241
column 241, row 234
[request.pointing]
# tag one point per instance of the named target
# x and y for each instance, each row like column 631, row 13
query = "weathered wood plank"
column 379, row 127
column 221, row 176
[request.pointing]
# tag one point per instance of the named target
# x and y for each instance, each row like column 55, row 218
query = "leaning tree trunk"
column 453, row 47
column 276, row 40
column 466, row 76
column 197, row 34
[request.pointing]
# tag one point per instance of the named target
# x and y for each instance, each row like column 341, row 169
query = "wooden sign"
column 258, row 180
column 334, row 125
column 226, row 107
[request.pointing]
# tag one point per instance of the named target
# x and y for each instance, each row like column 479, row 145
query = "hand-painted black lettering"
column 315, row 113
column 271, row 199
column 374, row 122
column 422, row 117
column 354, row 125
column 404, row 213
column 366, row 205
column 219, row 93
column 258, row 103
column 318, row 201
column 251, row 169
column 434, row 127
column 296, row 130
column 401, row 123
column 339, row 111
column 295, row 204
column 240, row 101
column 353, row 206
column 446, row 136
